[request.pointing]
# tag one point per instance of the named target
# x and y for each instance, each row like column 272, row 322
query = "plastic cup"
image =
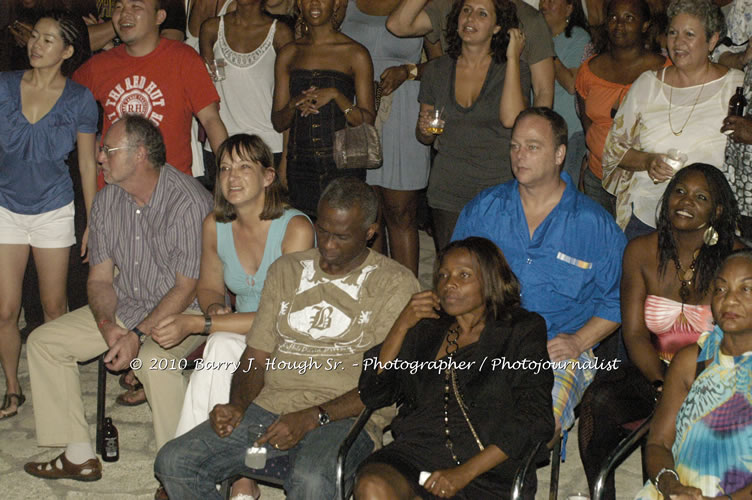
column 578, row 496
column 675, row 159
column 436, row 125
column 218, row 71
column 255, row 456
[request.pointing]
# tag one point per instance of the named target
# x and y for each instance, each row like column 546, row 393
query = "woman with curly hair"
column 665, row 301
column 45, row 115
column 479, row 87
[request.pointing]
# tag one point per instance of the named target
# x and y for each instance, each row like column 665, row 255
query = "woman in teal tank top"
column 251, row 226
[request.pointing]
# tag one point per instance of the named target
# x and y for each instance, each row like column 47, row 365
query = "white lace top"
column 247, row 90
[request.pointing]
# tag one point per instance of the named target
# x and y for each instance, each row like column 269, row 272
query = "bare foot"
column 245, row 486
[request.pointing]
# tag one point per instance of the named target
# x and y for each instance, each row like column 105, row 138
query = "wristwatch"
column 207, row 324
column 141, row 335
column 323, row 417
column 412, row 71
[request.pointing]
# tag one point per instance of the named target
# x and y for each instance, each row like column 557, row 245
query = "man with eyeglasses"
column 163, row 80
column 147, row 223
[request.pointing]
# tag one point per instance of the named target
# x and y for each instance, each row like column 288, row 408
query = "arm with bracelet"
column 658, row 457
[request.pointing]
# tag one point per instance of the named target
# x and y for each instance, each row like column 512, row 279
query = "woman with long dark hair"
column 665, row 297
column 45, row 115
column 479, row 89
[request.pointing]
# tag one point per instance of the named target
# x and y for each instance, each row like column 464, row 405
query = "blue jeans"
column 190, row 466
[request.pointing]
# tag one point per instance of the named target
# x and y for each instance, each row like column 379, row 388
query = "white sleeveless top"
column 246, row 92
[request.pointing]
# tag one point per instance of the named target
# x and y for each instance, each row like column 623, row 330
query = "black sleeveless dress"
column 310, row 148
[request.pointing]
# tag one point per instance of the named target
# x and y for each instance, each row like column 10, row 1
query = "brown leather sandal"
column 132, row 397
column 91, row 470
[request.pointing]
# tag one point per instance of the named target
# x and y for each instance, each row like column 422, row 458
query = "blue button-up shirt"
column 570, row 269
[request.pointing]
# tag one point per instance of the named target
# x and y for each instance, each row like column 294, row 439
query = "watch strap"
column 141, row 335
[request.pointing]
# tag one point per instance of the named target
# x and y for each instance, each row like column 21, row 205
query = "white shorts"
column 53, row 229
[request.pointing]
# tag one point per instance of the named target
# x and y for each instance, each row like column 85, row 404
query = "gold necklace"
column 670, row 96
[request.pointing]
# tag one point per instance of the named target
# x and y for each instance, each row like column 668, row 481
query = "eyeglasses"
column 104, row 148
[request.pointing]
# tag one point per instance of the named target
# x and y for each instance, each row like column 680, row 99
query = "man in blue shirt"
column 564, row 248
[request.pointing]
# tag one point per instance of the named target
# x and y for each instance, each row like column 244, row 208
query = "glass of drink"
column 675, row 159
column 255, row 456
column 436, row 125
column 218, row 69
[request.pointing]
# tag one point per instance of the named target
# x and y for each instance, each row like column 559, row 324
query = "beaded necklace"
column 686, row 277
column 450, row 382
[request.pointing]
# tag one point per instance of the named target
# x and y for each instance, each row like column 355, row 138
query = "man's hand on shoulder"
column 224, row 418
column 289, row 429
column 564, row 346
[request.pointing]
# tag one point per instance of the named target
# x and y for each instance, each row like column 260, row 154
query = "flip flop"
column 123, row 399
column 91, row 470
column 20, row 399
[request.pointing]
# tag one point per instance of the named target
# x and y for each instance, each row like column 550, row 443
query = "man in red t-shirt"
column 161, row 79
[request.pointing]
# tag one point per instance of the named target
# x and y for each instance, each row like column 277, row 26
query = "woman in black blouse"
column 470, row 425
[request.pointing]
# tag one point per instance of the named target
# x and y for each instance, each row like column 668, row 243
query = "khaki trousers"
column 53, row 351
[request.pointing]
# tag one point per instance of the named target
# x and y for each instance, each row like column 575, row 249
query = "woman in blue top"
column 44, row 114
column 251, row 226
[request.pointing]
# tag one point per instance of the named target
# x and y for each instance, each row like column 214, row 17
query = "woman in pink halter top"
column 665, row 304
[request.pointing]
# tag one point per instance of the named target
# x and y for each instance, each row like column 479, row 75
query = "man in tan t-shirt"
column 320, row 310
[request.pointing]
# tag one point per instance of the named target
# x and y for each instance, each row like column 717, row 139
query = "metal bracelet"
column 660, row 473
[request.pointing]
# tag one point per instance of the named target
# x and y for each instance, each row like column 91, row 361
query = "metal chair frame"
column 518, row 486
column 618, row 455
column 344, row 448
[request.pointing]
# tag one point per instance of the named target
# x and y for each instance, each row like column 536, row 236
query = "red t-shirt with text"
column 168, row 86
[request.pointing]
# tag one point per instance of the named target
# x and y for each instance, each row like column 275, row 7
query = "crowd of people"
column 585, row 182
